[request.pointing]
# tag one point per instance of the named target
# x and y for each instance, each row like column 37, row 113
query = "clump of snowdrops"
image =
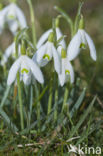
column 35, row 91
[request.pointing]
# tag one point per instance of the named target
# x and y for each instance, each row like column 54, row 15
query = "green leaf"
column 5, row 96
column 78, row 103
column 83, row 117
column 66, row 17
column 8, row 121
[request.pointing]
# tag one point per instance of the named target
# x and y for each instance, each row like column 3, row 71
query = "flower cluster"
column 47, row 50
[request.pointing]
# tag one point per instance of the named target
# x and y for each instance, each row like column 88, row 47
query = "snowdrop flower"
column 14, row 16
column 67, row 73
column 27, row 68
column 10, row 51
column 44, row 37
column 81, row 40
column 45, row 53
column 59, row 34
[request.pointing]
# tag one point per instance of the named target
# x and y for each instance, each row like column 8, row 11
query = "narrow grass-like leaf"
column 83, row 117
column 5, row 96
column 8, row 121
column 41, row 95
column 85, row 134
column 78, row 103
column 30, row 106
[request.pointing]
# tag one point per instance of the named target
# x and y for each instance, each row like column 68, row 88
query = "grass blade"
column 8, row 121
column 83, row 117
column 78, row 103
column 5, row 96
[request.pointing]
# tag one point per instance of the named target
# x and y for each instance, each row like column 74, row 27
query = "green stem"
column 32, row 22
column 5, row 70
column 77, row 19
column 50, row 99
column 65, row 106
column 56, row 99
column 20, row 102
column 66, row 17
column 19, row 91
column 38, row 105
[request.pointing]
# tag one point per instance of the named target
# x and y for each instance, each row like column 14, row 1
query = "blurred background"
column 89, row 71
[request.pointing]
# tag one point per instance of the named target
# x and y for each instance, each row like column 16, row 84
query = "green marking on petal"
column 46, row 56
column 67, row 72
column 82, row 45
column 11, row 16
column 24, row 70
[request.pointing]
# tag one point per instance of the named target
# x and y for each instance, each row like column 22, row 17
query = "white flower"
column 44, row 37
column 10, row 51
column 80, row 40
column 14, row 16
column 27, row 68
column 45, row 53
column 67, row 73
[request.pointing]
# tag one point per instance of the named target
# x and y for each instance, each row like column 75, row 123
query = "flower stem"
column 5, row 70
column 77, row 19
column 19, row 92
column 20, row 102
column 38, row 105
column 32, row 22
column 66, row 17
column 65, row 106
column 56, row 99
column 50, row 99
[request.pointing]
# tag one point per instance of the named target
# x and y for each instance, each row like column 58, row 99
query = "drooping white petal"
column 83, row 38
column 62, row 74
column 91, row 47
column 56, row 58
column 27, row 78
column 2, row 18
column 59, row 49
column 13, row 26
column 7, row 53
column 69, row 67
column 43, row 38
column 59, row 35
column 10, row 50
column 3, row 61
column 13, row 71
column 20, row 17
column 24, row 65
column 43, row 62
column 74, row 47
column 35, row 70
column 49, row 46
column 39, row 54
column 2, row 21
